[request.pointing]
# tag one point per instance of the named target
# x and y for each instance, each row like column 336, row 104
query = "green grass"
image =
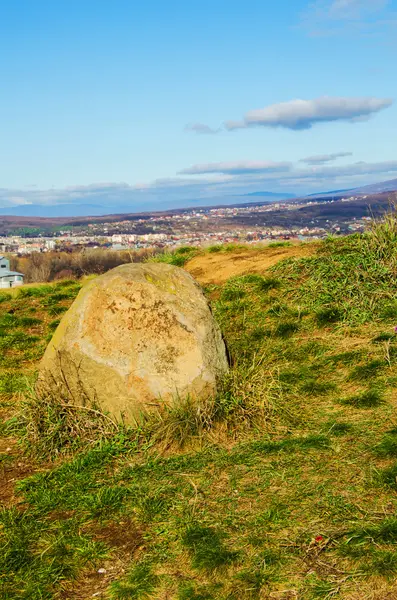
column 279, row 244
column 338, row 281
column 387, row 447
column 286, row 480
column 368, row 370
column 207, row 549
column 368, row 399
column 12, row 382
column 178, row 257
column 5, row 297
column 325, row 316
column 385, row 336
column 139, row 584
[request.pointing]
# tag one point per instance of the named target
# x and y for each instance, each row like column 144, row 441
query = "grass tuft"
column 388, row 476
column 384, row 337
column 140, row 583
column 52, row 426
column 328, row 316
column 207, row 548
column 367, row 371
column 388, row 446
column 382, row 562
column 286, row 329
column 371, row 398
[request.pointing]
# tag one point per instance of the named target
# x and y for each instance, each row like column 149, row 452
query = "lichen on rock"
column 136, row 338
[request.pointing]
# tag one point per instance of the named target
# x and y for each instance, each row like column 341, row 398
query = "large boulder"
column 136, row 338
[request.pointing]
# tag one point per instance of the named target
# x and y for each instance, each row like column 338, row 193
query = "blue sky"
column 149, row 103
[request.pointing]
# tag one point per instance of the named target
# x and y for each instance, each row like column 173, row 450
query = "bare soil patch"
column 218, row 267
column 125, row 539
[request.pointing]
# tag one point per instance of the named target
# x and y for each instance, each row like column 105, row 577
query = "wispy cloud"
column 285, row 171
column 238, row 167
column 299, row 114
column 206, row 184
column 329, row 17
column 201, row 129
column 303, row 114
column 353, row 9
column 321, row 159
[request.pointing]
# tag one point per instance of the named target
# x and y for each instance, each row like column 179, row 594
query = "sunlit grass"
column 285, row 480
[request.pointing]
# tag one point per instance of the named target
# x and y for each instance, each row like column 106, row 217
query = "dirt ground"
column 218, row 267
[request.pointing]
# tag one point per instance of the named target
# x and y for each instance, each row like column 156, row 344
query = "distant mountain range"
column 270, row 195
column 374, row 188
column 65, row 211
column 55, row 210
column 94, row 210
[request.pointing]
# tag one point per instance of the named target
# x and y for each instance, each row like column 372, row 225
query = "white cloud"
column 347, row 9
column 211, row 183
column 320, row 159
column 330, row 17
column 303, row 114
column 238, row 167
column 201, row 129
column 248, row 171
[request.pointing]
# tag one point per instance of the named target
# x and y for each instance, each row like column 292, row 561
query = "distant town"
column 251, row 223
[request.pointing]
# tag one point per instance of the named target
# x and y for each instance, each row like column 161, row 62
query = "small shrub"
column 213, row 249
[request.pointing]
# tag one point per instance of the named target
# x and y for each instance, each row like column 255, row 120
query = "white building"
column 9, row 279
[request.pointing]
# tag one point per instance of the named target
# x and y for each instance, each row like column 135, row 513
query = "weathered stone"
column 138, row 337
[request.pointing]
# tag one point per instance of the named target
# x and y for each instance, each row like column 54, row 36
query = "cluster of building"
column 8, row 278
column 195, row 227
column 69, row 241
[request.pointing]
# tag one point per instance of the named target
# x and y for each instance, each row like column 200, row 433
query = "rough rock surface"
column 135, row 338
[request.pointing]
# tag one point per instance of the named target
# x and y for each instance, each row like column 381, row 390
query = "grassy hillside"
column 284, row 486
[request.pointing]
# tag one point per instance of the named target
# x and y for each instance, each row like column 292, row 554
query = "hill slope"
column 283, row 487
